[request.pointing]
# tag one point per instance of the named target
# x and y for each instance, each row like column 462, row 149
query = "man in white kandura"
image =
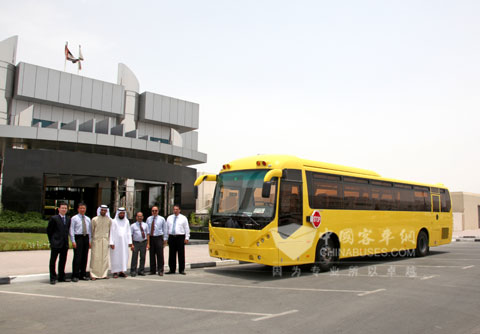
column 101, row 225
column 120, row 243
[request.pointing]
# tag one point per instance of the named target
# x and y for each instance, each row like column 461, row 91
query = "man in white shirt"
column 157, row 240
column 81, row 237
column 139, row 237
column 178, row 236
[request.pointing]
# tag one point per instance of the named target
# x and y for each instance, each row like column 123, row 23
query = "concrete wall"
column 36, row 83
column 178, row 114
column 467, row 204
column 56, row 113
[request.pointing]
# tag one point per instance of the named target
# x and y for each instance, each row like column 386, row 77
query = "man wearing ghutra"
column 120, row 243
column 101, row 225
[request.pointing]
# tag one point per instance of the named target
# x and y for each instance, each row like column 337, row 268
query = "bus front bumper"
column 266, row 256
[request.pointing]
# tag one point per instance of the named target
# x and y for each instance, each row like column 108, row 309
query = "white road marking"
column 370, row 292
column 260, row 316
column 254, row 286
column 275, row 315
column 427, row 277
column 468, row 267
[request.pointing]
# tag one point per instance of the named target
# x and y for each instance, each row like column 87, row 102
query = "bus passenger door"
column 436, row 226
column 290, row 211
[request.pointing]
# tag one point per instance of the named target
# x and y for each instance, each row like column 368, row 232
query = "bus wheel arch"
column 327, row 251
column 423, row 247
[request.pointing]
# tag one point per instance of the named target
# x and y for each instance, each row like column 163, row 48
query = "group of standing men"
column 102, row 233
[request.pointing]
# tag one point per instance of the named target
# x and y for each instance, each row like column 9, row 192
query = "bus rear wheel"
column 422, row 244
column 326, row 254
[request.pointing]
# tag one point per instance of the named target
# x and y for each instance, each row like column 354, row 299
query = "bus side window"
column 422, row 199
column 324, row 191
column 445, row 199
column 404, row 197
column 291, row 209
column 382, row 198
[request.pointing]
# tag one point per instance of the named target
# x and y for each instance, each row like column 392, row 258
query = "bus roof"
column 274, row 161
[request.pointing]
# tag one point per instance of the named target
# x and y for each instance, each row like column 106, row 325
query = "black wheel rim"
column 326, row 254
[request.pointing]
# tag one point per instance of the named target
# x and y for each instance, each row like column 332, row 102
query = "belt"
column 140, row 240
column 81, row 235
column 156, row 236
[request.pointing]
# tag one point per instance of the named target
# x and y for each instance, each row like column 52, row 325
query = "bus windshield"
column 238, row 201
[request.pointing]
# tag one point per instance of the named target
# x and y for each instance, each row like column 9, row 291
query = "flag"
column 68, row 54
column 80, row 57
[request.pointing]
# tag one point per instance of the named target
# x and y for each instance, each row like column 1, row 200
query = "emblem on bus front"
column 316, row 219
column 232, row 240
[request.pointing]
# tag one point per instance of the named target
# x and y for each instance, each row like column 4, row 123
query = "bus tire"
column 422, row 244
column 326, row 254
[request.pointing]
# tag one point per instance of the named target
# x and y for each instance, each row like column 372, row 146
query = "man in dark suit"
column 57, row 231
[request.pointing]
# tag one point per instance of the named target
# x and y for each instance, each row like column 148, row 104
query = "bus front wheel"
column 422, row 244
column 326, row 254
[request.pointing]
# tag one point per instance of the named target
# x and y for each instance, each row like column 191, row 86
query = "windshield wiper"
column 247, row 216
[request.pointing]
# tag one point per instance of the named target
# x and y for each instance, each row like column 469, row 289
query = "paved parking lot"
column 436, row 294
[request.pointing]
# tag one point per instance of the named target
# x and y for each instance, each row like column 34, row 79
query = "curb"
column 46, row 277
column 467, row 239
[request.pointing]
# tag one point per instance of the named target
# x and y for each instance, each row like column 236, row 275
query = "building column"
column 130, row 197
column 8, row 52
column 129, row 81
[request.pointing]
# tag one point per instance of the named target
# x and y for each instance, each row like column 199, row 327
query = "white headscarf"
column 108, row 211
column 121, row 210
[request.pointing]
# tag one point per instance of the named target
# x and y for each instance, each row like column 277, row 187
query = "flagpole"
column 65, row 56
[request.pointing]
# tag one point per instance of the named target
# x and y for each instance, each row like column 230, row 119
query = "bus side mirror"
column 267, row 187
column 195, row 192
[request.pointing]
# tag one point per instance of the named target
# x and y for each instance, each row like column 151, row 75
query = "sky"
column 391, row 86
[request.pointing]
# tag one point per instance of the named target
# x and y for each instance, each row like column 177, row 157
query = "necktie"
column 141, row 229
column 84, row 226
column 64, row 221
column 153, row 226
column 174, row 224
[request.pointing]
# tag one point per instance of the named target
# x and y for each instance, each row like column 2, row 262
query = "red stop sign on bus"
column 316, row 219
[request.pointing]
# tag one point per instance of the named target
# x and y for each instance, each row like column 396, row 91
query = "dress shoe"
column 63, row 280
column 85, row 278
column 160, row 273
column 170, row 272
column 141, row 273
column 133, row 274
column 183, row 273
column 122, row 274
column 75, row 280
column 52, row 282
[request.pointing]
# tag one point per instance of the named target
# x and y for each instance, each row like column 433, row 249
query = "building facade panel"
column 41, row 83
column 53, row 85
column 65, row 85
column 76, row 90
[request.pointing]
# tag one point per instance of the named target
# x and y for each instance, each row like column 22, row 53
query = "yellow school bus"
column 280, row 210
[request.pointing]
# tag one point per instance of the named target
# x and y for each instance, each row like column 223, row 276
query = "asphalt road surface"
column 439, row 293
